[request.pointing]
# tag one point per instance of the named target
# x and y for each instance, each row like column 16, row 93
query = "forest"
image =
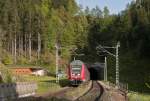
column 31, row 29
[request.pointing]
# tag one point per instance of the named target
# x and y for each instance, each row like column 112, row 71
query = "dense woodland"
column 30, row 30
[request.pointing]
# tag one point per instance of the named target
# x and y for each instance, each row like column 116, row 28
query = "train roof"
column 76, row 62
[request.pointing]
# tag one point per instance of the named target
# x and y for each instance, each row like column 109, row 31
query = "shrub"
column 5, row 74
column 22, row 60
column 47, row 58
column 7, row 59
column 52, row 70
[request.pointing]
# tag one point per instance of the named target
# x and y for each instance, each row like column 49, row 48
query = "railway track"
column 93, row 94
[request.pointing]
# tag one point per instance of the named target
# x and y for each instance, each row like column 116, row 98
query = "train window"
column 76, row 68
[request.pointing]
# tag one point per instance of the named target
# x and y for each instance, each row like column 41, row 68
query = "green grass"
column 45, row 84
column 138, row 97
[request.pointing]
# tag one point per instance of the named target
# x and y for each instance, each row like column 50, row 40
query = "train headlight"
column 78, row 74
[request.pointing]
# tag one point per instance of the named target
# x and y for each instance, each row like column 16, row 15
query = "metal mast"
column 117, row 63
column 57, row 61
column 102, row 48
column 105, row 69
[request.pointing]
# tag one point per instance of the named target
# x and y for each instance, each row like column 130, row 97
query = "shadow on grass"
column 51, row 74
column 62, row 82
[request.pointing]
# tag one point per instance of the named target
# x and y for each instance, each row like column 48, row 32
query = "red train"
column 78, row 72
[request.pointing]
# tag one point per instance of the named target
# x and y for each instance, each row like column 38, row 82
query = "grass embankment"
column 138, row 97
column 135, row 96
column 45, row 83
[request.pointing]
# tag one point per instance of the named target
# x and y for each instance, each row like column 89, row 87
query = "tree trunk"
column 30, row 47
column 15, row 57
column 30, row 32
column 19, row 50
column 8, row 43
column 21, row 45
column 25, row 45
column 12, row 47
column 39, row 45
column 0, row 46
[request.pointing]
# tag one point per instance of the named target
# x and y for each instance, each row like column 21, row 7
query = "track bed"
column 93, row 94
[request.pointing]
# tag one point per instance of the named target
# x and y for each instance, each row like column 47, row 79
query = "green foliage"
column 133, row 33
column 52, row 69
column 7, row 59
column 131, row 28
column 137, row 96
column 46, row 59
column 62, row 22
column 106, row 11
column 22, row 60
column 5, row 74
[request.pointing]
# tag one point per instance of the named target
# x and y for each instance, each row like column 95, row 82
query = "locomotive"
column 78, row 72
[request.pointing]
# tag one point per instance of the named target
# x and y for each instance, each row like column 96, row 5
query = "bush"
column 47, row 58
column 22, row 60
column 52, row 70
column 5, row 74
column 7, row 59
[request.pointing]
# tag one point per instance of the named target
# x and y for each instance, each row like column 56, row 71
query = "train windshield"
column 76, row 66
column 76, row 69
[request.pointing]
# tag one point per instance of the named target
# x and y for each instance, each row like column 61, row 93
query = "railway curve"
column 93, row 94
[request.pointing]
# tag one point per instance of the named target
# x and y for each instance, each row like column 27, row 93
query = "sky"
column 115, row 6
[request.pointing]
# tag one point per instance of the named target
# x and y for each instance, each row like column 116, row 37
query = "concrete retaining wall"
column 17, row 90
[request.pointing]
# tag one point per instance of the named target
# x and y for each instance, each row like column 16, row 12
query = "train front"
column 75, row 72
